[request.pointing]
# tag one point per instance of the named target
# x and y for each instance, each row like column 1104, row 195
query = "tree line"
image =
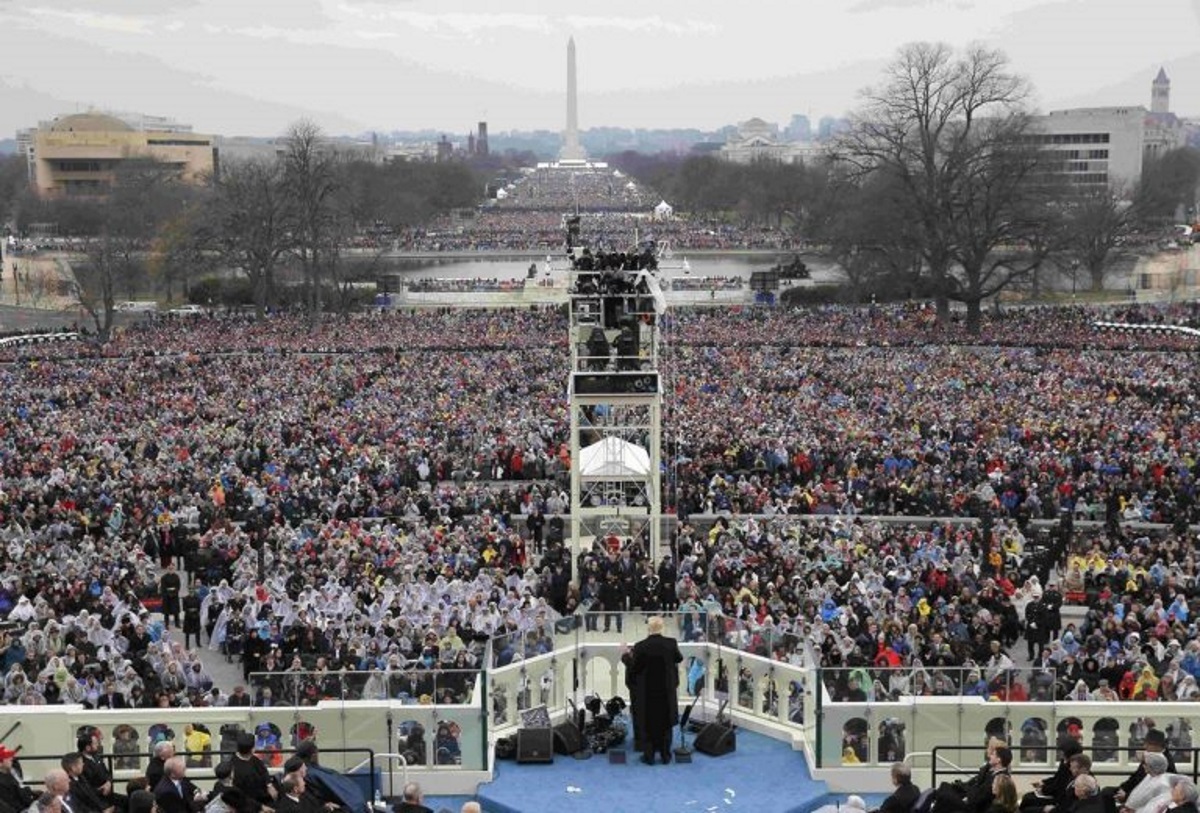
column 282, row 224
column 940, row 188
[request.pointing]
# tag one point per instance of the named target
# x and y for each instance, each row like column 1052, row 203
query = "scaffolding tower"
column 615, row 396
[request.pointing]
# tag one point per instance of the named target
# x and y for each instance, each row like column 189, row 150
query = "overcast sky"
column 250, row 67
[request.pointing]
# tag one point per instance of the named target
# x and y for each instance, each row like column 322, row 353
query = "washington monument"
column 571, row 149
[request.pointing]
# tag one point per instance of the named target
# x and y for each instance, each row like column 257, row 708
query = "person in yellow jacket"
column 198, row 743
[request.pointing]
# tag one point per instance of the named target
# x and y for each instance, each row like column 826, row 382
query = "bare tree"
column 183, row 250
column 143, row 196
column 867, row 230
column 1093, row 225
column 248, row 223
column 310, row 180
column 952, row 133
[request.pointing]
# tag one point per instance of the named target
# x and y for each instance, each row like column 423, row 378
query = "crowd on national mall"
column 355, row 510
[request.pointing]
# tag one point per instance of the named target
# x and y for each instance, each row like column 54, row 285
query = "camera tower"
column 615, row 398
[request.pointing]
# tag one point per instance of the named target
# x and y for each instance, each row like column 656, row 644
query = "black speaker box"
column 535, row 745
column 716, row 739
column 567, row 738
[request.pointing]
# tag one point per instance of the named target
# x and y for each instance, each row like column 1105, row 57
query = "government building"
column 1110, row 145
column 79, row 155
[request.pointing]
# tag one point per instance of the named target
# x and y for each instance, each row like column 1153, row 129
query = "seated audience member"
column 906, row 793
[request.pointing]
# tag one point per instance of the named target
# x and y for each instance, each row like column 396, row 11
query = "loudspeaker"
column 567, row 738
column 535, row 745
column 716, row 739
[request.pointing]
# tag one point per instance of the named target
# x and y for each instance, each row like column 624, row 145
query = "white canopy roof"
column 613, row 457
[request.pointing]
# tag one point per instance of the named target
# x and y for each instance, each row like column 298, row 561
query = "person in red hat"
column 13, row 792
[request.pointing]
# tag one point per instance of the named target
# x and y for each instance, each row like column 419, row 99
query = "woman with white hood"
column 1145, row 798
column 14, row 684
column 1188, row 690
column 23, row 611
column 73, row 692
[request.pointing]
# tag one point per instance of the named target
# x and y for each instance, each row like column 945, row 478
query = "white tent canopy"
column 663, row 210
column 613, row 457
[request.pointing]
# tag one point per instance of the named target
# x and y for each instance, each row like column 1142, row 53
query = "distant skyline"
column 251, row 67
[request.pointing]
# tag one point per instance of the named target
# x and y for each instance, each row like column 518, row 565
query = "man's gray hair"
column 1155, row 763
column 1087, row 783
column 161, row 748
column 901, row 772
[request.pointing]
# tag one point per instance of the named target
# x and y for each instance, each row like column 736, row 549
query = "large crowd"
column 354, row 508
column 616, row 213
column 494, row 229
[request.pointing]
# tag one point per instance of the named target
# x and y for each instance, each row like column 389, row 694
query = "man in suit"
column 176, row 793
column 155, row 768
column 13, row 792
column 655, row 667
column 169, row 588
column 97, row 774
column 291, row 792
column 975, row 795
column 111, row 699
column 1053, row 792
column 81, row 796
column 906, row 793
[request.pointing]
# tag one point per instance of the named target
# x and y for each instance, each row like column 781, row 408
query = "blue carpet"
column 763, row 775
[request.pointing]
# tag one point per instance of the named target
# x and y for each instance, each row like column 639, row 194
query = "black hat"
column 306, row 749
column 245, row 741
column 293, row 764
column 1156, row 737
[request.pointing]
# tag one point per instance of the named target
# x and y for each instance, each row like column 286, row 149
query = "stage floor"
column 763, row 775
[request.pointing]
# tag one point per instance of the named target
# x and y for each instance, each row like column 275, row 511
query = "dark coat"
column 83, row 798
column 116, row 700
column 154, row 771
column 251, row 777
column 15, row 794
column 902, row 799
column 171, row 800
column 655, row 670
column 191, row 614
column 169, row 587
